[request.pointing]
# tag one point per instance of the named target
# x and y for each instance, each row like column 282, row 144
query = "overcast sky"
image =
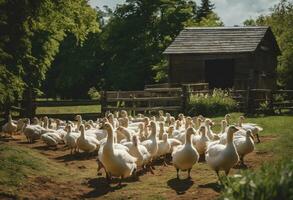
column 232, row 12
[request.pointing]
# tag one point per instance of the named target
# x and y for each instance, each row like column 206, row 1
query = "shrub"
column 216, row 104
column 94, row 94
column 271, row 181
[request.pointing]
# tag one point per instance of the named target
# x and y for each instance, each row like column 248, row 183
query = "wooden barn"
column 224, row 57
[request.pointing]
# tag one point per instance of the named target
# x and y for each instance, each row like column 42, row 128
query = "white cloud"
column 232, row 12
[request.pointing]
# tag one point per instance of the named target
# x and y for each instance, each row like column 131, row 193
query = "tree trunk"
column 28, row 103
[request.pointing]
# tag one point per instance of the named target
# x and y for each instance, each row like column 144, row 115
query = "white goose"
column 244, row 145
column 139, row 152
column 185, row 156
column 164, row 146
column 201, row 141
column 255, row 129
column 210, row 133
column 223, row 157
column 70, row 138
column 117, row 162
column 152, row 144
column 9, row 127
column 87, row 143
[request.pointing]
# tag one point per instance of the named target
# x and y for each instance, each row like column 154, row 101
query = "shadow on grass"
column 76, row 156
column 101, row 186
column 215, row 186
column 180, row 186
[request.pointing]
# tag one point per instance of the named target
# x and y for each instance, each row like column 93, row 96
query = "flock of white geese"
column 126, row 144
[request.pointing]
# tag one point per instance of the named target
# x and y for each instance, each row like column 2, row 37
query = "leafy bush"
column 94, row 94
column 216, row 104
column 265, row 107
column 269, row 182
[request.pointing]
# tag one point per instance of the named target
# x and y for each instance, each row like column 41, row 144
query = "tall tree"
column 31, row 32
column 281, row 22
column 205, row 8
column 137, row 34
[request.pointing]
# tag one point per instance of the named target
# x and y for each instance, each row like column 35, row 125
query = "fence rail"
column 173, row 99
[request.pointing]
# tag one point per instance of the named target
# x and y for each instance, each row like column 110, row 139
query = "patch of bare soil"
column 93, row 186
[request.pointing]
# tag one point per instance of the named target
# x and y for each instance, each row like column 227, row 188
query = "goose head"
column 227, row 117
column 231, row 130
column 188, row 122
column 123, row 113
column 241, row 120
column 202, row 130
column 146, row 121
column 170, row 130
column 36, row 120
column 201, row 117
column 161, row 113
column 68, row 128
column 78, row 118
column 249, row 134
column 108, row 127
column 208, row 122
column 168, row 115
column 172, row 120
column 178, row 124
column 153, row 127
column 181, row 116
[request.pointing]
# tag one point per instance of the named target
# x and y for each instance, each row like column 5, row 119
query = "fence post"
column 249, row 102
column 185, row 98
column 103, row 102
column 271, row 101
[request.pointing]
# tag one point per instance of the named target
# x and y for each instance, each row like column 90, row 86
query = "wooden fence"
column 148, row 100
column 171, row 99
column 17, row 110
column 164, row 97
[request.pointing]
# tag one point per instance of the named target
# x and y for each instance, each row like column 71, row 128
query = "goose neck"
column 188, row 138
column 110, row 138
column 230, row 137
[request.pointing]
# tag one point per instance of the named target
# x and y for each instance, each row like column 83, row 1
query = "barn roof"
column 217, row 40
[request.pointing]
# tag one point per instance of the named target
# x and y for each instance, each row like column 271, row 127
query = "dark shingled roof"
column 217, row 40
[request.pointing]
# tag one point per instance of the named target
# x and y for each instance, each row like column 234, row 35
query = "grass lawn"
column 20, row 163
column 69, row 109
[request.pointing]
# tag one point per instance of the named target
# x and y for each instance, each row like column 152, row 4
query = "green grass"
column 18, row 163
column 275, row 126
column 69, row 109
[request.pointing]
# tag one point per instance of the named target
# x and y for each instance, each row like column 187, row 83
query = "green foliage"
column 11, row 86
column 272, row 181
column 281, row 21
column 265, row 107
column 212, row 19
column 75, row 68
column 210, row 105
column 94, row 94
column 137, row 33
column 32, row 31
column 206, row 8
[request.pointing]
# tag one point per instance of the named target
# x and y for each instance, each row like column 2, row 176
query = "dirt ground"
column 88, row 185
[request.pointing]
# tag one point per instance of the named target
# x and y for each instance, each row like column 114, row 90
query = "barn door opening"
column 219, row 73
